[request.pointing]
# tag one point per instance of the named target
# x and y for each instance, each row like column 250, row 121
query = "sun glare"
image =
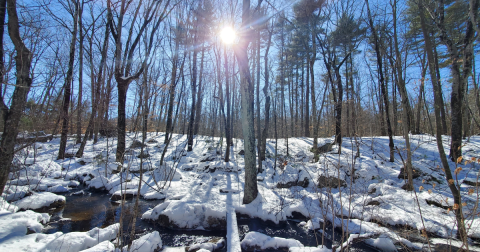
column 227, row 35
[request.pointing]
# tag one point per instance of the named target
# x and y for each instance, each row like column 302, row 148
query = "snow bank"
column 208, row 246
column 187, row 215
column 17, row 224
column 77, row 241
column 384, row 244
column 255, row 240
column 147, row 243
column 40, row 200
column 105, row 246
column 7, row 207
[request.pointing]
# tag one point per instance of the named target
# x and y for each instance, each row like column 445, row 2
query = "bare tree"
column 12, row 115
column 124, row 52
column 246, row 89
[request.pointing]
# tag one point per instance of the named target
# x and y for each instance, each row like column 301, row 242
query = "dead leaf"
column 458, row 170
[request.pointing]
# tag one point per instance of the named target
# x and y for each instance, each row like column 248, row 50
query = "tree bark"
column 193, row 83
column 80, row 73
column 23, row 61
column 246, row 88
column 97, row 88
column 462, row 233
column 68, row 86
column 267, row 99
column 259, row 125
column 382, row 83
column 198, row 107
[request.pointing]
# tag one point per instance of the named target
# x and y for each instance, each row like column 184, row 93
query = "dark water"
column 291, row 229
column 94, row 209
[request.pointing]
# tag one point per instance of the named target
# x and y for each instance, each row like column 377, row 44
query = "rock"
column 184, row 215
column 145, row 155
column 323, row 149
column 213, row 223
column 208, row 159
column 137, row 144
column 437, row 204
column 210, row 169
column 242, row 152
column 212, row 245
column 446, row 248
column 471, row 183
column 41, row 202
column 188, row 167
column 372, row 190
column 331, row 182
column 373, row 203
column 228, row 191
column 403, row 174
column 117, row 197
column 299, row 216
column 303, row 183
column 152, row 141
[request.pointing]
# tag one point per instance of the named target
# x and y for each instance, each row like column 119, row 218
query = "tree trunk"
column 95, row 87
column 382, row 83
column 407, row 110
column 267, row 99
column 68, row 86
column 246, row 88
column 23, row 61
column 194, row 94
column 437, row 98
column 312, row 81
column 229, row 117
column 307, row 97
column 80, row 73
column 259, row 125
column 198, row 107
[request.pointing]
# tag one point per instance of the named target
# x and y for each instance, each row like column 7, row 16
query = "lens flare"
column 228, row 35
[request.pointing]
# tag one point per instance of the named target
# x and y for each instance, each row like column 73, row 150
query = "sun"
column 228, row 35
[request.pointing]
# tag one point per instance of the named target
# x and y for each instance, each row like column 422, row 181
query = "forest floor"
column 360, row 197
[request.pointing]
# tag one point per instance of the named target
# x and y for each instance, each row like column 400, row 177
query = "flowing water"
column 86, row 210
column 291, row 229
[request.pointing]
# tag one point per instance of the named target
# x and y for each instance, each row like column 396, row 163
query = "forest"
column 227, row 125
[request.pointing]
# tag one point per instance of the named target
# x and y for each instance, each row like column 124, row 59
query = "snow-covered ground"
column 359, row 195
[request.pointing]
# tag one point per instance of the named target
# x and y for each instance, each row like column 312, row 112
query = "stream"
column 86, row 210
column 291, row 229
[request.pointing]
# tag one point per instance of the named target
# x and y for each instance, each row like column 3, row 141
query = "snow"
column 17, row 224
column 147, row 243
column 384, row 244
column 78, row 241
column 39, row 200
column 105, row 246
column 188, row 215
column 262, row 241
column 208, row 246
column 199, row 188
